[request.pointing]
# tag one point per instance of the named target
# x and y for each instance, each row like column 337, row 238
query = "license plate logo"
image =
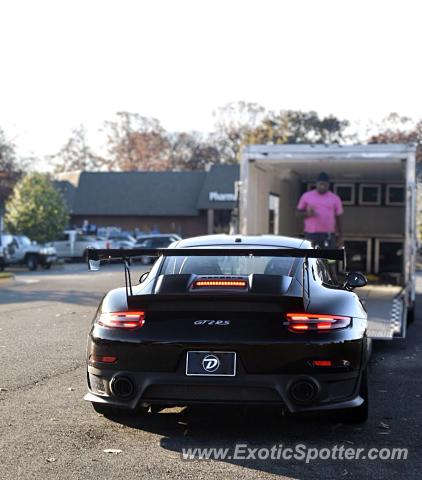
column 210, row 363
column 205, row 363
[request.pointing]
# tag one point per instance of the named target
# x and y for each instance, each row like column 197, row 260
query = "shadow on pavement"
column 77, row 297
column 265, row 428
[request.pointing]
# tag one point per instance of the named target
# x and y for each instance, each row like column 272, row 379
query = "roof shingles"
column 138, row 193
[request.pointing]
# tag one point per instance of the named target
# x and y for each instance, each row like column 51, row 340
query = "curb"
column 4, row 276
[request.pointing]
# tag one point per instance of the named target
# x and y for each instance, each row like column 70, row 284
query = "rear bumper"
column 332, row 390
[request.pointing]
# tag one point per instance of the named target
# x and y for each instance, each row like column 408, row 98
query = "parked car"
column 73, row 244
column 122, row 240
column 232, row 320
column 155, row 240
column 19, row 250
column 2, row 259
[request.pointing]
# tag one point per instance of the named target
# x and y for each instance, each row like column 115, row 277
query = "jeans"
column 322, row 240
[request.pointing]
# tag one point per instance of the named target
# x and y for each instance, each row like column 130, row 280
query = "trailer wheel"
column 410, row 314
column 32, row 262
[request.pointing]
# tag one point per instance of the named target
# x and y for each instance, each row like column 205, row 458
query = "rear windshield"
column 230, row 265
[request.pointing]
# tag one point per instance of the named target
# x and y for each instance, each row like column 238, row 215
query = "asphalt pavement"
column 48, row 431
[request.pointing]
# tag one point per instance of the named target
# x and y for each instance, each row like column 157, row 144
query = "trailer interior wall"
column 258, row 198
column 287, row 180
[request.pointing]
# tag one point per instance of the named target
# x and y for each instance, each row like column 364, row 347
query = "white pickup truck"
column 19, row 250
column 74, row 244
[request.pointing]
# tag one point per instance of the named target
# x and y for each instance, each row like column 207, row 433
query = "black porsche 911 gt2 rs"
column 250, row 320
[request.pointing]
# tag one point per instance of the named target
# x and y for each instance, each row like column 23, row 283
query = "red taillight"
column 300, row 326
column 322, row 363
column 220, row 283
column 330, row 363
column 122, row 319
column 106, row 359
column 316, row 321
column 323, row 326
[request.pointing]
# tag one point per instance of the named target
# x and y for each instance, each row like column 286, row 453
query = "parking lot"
column 48, row 431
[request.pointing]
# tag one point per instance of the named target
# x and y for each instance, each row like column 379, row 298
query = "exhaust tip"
column 122, row 387
column 304, row 391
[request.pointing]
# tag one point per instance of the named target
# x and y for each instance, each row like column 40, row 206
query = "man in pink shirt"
column 322, row 211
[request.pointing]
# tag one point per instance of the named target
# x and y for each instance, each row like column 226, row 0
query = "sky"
column 65, row 63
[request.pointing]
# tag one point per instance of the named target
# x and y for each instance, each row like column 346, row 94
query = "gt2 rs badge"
column 211, row 322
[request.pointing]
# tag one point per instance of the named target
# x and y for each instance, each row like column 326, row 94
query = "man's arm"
column 303, row 209
column 339, row 230
column 305, row 213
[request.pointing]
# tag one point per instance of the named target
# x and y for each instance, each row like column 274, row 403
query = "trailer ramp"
column 386, row 311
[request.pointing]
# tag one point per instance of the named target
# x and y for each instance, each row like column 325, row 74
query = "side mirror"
column 143, row 277
column 355, row 280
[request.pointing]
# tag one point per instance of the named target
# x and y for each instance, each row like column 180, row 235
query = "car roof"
column 243, row 240
column 157, row 235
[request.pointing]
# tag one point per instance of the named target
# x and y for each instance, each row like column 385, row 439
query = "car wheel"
column 46, row 266
column 358, row 414
column 32, row 262
column 109, row 411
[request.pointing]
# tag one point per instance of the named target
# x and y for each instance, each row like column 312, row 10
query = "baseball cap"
column 323, row 177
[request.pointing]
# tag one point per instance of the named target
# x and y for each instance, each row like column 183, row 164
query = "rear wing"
column 122, row 254
column 95, row 256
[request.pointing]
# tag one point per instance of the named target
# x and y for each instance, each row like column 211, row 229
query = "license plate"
column 215, row 364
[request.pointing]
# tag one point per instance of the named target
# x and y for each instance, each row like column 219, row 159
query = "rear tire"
column 32, row 262
column 358, row 414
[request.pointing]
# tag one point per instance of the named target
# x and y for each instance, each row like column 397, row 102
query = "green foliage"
column 36, row 209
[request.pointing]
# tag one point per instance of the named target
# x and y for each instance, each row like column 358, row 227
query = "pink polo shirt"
column 326, row 207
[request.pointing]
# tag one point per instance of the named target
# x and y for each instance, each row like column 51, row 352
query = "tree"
column 36, row 209
column 294, row 126
column 245, row 123
column 76, row 154
column 191, row 151
column 136, row 143
column 9, row 170
column 234, row 122
column 398, row 129
column 7, row 154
